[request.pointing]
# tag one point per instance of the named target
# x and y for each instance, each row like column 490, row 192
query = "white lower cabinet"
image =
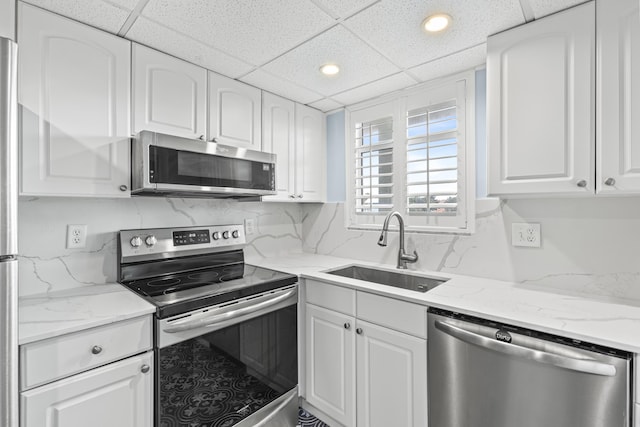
column 365, row 373
column 119, row 394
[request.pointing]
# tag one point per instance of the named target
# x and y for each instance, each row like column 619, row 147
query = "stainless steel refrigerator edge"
column 8, row 235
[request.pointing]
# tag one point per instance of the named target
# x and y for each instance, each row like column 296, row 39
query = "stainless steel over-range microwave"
column 165, row 165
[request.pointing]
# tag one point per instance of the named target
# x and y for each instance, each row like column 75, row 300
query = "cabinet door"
column 119, row 394
column 311, row 155
column 330, row 361
column 618, row 92
column 391, row 378
column 540, row 106
column 278, row 137
column 235, row 112
column 74, row 101
column 169, row 95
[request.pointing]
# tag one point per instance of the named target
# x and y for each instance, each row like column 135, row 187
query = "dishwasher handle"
column 582, row 365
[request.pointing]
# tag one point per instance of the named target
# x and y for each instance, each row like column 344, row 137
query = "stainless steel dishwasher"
column 487, row 374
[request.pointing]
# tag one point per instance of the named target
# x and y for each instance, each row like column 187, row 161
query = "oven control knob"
column 225, row 234
column 216, row 235
column 235, row 234
column 151, row 240
column 136, row 241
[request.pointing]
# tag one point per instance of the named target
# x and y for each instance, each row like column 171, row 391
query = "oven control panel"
column 163, row 242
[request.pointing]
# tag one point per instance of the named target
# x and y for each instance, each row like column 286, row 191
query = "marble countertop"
column 607, row 321
column 52, row 314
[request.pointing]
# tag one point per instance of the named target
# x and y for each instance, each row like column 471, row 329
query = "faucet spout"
column 403, row 258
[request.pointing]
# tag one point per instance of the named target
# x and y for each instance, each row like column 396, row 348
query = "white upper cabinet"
column 540, row 106
column 235, row 113
column 169, row 95
column 74, row 95
column 278, row 137
column 311, row 155
column 618, row 92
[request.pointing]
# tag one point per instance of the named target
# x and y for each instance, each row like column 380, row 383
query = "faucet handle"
column 409, row 257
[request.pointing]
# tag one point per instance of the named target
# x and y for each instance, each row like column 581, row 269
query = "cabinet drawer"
column 332, row 297
column 399, row 315
column 54, row 358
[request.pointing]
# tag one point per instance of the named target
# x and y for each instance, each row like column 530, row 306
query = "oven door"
column 234, row 364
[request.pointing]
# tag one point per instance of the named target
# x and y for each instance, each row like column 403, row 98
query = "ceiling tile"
column 451, row 64
column 266, row 81
column 326, row 104
column 393, row 26
column 377, row 88
column 547, row 7
column 166, row 40
column 342, row 9
column 106, row 15
column 252, row 30
column 359, row 64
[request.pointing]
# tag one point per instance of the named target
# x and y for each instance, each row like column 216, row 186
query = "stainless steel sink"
column 390, row 278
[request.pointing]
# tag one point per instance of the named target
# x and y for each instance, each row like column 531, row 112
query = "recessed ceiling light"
column 329, row 69
column 436, row 23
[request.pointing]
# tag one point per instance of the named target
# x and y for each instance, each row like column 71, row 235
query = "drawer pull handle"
column 347, row 326
column 610, row 181
column 96, row 349
column 359, row 331
column 145, row 368
column 582, row 183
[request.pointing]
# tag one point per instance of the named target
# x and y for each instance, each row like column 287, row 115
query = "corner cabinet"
column 618, row 92
column 102, row 377
column 169, row 95
column 296, row 135
column 74, row 96
column 348, row 353
column 235, row 113
column 541, row 106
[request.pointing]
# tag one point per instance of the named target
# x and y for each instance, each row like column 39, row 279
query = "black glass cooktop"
column 177, row 293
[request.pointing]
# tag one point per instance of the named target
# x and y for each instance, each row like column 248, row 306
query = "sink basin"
column 396, row 279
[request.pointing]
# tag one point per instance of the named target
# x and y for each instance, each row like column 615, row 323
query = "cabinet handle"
column 292, row 196
column 214, row 139
column 347, row 326
column 201, row 137
column 96, row 349
column 123, row 188
column 299, row 196
column 359, row 331
column 145, row 368
column 610, row 181
column 582, row 183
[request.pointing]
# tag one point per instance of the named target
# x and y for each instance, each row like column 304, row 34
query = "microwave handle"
column 214, row 318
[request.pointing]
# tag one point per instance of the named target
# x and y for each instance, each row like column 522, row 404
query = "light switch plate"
column 525, row 234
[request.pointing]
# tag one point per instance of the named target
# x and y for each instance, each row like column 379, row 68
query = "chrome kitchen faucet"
column 403, row 258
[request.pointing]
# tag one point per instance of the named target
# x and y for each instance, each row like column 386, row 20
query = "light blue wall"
column 481, row 133
column 336, row 164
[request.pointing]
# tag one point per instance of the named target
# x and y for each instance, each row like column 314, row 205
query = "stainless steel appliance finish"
column 225, row 332
column 412, row 282
column 483, row 373
column 166, row 165
column 8, row 235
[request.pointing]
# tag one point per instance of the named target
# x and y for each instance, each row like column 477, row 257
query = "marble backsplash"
column 588, row 246
column 46, row 265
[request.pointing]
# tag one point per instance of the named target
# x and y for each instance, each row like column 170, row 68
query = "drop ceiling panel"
column 106, row 15
column 465, row 60
column 371, row 90
column 166, row 40
column 271, row 83
column 547, row 7
column 359, row 63
column 254, row 31
column 342, row 9
column 393, row 27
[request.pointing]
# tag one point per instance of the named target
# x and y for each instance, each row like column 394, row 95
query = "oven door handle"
column 212, row 318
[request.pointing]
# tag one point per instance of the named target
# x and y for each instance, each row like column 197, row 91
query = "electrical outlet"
column 249, row 226
column 76, row 236
column 525, row 234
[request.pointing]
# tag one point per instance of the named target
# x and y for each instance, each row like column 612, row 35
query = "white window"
column 413, row 153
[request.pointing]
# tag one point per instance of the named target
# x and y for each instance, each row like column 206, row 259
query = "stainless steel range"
column 225, row 331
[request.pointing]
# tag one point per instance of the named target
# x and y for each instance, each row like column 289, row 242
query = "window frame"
column 400, row 103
